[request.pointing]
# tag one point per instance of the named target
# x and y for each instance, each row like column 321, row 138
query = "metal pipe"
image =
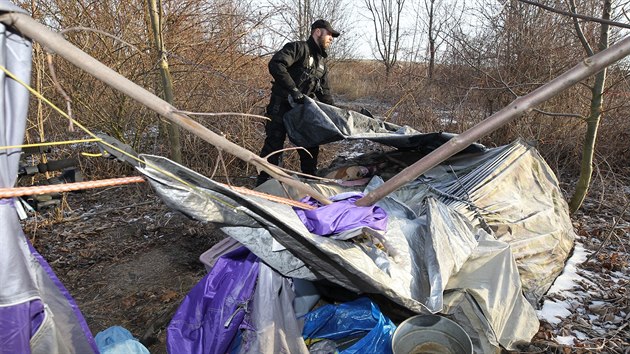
column 518, row 107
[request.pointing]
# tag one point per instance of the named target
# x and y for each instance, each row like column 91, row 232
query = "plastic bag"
column 357, row 327
column 118, row 340
column 342, row 215
column 275, row 328
column 209, row 317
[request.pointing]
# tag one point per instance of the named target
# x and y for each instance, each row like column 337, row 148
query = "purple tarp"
column 210, row 315
column 341, row 215
column 24, row 321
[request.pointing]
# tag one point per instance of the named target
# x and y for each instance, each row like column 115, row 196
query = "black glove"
column 297, row 96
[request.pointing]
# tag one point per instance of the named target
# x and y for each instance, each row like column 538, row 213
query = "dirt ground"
column 128, row 260
column 125, row 257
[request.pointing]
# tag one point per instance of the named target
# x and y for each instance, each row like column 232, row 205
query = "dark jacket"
column 291, row 67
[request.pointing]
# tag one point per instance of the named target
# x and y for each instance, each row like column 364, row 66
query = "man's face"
column 323, row 38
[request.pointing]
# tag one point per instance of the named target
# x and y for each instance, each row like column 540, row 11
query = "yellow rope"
column 64, row 114
column 52, row 143
column 91, row 155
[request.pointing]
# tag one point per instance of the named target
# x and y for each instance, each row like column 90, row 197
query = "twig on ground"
column 89, row 215
column 610, row 233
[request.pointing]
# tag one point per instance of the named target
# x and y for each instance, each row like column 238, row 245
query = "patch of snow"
column 567, row 280
column 619, row 276
column 353, row 154
column 600, row 331
column 579, row 335
column 553, row 311
column 565, row 340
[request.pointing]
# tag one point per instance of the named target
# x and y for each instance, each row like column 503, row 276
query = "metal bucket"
column 430, row 334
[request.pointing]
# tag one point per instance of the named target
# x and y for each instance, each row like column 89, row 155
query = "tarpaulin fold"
column 315, row 123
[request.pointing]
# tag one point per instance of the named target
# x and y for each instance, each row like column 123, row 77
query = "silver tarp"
column 461, row 240
column 315, row 123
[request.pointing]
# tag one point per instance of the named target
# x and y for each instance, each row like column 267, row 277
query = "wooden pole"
column 518, row 107
column 55, row 42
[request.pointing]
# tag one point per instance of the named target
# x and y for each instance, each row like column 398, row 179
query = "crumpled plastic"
column 209, row 317
column 346, row 322
column 118, row 340
column 342, row 215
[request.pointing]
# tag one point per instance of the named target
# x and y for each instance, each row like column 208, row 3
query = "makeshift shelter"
column 37, row 314
column 464, row 239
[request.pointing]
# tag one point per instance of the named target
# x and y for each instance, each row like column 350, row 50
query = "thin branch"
column 583, row 17
column 216, row 166
column 557, row 114
column 287, row 149
column 296, row 172
column 323, row 179
column 578, row 30
column 60, row 89
column 552, row 114
column 227, row 178
column 221, row 114
column 80, row 28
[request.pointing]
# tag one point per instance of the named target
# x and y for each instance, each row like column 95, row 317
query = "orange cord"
column 66, row 187
column 69, row 187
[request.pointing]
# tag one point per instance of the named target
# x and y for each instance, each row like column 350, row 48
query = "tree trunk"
column 167, row 81
column 431, row 41
column 597, row 100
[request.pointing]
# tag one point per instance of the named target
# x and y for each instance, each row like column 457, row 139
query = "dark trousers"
column 274, row 141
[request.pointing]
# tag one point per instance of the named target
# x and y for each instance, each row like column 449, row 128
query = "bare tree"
column 155, row 13
column 385, row 16
column 211, row 59
column 596, row 107
column 294, row 19
column 441, row 16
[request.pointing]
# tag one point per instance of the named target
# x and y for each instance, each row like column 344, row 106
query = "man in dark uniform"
column 298, row 70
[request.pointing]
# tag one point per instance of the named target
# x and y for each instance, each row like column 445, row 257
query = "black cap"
column 325, row 25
